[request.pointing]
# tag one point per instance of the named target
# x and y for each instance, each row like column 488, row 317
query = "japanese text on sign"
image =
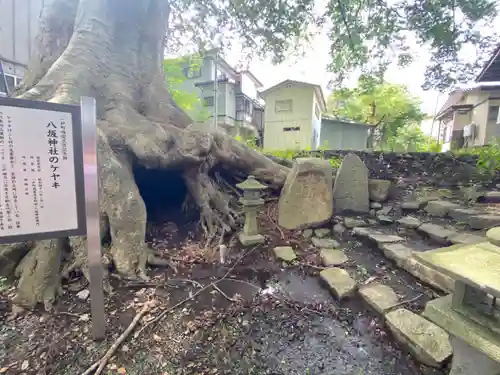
column 38, row 191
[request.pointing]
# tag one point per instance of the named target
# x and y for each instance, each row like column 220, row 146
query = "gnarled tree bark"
column 113, row 50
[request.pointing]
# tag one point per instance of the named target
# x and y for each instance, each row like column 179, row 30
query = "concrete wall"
column 19, row 21
column 276, row 135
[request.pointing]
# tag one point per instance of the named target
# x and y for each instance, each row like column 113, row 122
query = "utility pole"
column 216, row 89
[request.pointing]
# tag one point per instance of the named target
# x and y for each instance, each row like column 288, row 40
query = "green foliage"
column 372, row 34
column 365, row 36
column 292, row 154
column 410, row 138
column 373, row 101
column 189, row 101
column 488, row 162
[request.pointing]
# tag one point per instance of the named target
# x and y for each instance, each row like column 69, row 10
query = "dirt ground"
column 263, row 317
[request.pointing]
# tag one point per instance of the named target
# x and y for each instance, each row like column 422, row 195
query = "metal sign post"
column 89, row 137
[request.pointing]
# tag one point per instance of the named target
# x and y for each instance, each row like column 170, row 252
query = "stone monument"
column 306, row 199
column 350, row 191
column 471, row 314
column 251, row 202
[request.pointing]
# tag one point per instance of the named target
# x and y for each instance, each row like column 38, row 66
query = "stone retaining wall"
column 438, row 169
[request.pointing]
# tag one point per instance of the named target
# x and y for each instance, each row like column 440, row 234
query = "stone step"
column 428, row 343
column 332, row 257
column 381, row 297
column 402, row 255
column 339, row 282
column 285, row 253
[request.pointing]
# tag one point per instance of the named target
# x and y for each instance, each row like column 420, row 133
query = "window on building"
column 12, row 83
column 283, row 106
column 292, row 129
column 317, row 112
column 493, row 113
column 239, row 104
column 192, row 72
column 208, row 101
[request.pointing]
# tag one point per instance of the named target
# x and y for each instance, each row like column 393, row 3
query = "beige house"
column 470, row 116
column 292, row 115
column 18, row 28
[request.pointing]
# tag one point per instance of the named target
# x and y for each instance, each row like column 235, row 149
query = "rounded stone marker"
column 493, row 236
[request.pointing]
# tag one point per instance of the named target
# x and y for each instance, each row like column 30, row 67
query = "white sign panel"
column 41, row 167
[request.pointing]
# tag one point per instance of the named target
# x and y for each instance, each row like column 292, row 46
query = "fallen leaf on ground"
column 121, row 370
column 25, row 365
column 3, row 370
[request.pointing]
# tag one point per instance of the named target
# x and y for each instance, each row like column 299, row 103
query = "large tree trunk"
column 113, row 50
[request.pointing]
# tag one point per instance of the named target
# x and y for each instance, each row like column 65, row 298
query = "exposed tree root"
column 112, row 50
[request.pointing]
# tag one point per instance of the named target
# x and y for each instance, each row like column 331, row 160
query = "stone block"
column 307, row 196
column 466, row 238
column 437, row 233
column 476, row 349
column 399, row 253
column 379, row 190
column 461, row 214
column 428, row 275
column 332, row 257
column 429, row 343
column 285, row 253
column 411, row 205
column 322, row 232
column 352, row 222
column 377, row 236
column 339, row 282
column 381, row 297
column 409, row 222
column 440, row 208
column 351, row 193
column 325, row 243
column 493, row 236
column 483, row 221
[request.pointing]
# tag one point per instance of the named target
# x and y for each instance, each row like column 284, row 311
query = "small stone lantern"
column 251, row 202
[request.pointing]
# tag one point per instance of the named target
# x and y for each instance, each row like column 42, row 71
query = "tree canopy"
column 365, row 35
column 187, row 100
column 388, row 105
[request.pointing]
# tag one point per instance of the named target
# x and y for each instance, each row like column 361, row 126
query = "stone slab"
column 377, row 236
column 409, row 222
column 381, row 297
column 466, row 238
column 437, row 233
column 306, row 199
column 476, row 264
column 285, row 253
column 462, row 214
column 412, row 205
column 339, row 282
column 332, row 257
column 322, row 232
column 400, row 253
column 352, row 222
column 440, row 208
column 325, row 243
column 493, row 236
column 251, row 240
column 426, row 341
column 429, row 275
column 350, row 192
column 483, row 221
column 440, row 311
column 468, row 360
